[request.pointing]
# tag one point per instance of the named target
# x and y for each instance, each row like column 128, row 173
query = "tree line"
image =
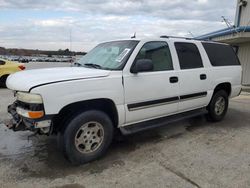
column 30, row 52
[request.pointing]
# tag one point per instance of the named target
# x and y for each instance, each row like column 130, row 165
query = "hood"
column 25, row 80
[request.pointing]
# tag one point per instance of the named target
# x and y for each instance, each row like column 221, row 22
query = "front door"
column 153, row 94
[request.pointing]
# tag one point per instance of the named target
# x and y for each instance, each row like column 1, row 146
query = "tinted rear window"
column 189, row 55
column 220, row 54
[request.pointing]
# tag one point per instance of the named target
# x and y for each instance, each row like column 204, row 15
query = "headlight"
column 32, row 107
column 29, row 98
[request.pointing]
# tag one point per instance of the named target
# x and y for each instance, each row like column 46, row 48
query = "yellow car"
column 7, row 68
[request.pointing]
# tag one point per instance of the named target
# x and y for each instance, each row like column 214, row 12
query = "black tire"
column 67, row 137
column 3, row 81
column 213, row 113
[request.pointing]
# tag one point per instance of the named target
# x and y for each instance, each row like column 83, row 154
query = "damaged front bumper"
column 18, row 123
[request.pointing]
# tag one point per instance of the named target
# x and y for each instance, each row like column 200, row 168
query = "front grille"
column 29, row 106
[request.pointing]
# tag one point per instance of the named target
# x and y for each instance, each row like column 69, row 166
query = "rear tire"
column 86, row 137
column 218, row 106
column 3, row 81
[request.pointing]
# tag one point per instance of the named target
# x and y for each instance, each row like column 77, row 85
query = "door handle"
column 173, row 79
column 203, row 76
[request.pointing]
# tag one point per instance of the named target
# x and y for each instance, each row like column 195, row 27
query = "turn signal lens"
column 21, row 67
column 29, row 114
column 35, row 114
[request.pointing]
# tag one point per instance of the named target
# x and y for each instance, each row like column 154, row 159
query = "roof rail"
column 166, row 36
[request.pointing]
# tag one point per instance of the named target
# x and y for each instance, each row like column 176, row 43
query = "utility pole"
column 70, row 39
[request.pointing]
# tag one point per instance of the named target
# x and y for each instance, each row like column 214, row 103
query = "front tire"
column 218, row 106
column 86, row 137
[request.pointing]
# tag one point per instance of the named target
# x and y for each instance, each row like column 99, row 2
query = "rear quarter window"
column 221, row 54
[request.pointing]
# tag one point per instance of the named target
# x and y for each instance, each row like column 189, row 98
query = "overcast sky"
column 47, row 24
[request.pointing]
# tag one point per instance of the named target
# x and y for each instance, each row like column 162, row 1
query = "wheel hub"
column 89, row 137
column 220, row 106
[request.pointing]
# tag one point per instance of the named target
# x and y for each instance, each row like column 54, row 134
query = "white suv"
column 126, row 85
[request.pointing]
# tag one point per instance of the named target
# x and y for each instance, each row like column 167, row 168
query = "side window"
column 2, row 62
column 220, row 54
column 159, row 53
column 189, row 55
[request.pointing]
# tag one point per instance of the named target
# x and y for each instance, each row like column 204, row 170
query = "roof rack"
column 166, row 36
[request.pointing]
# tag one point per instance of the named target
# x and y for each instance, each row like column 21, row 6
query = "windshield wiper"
column 93, row 65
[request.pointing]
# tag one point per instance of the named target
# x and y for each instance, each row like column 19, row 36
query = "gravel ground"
column 190, row 153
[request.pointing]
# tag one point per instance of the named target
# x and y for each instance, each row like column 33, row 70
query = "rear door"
column 193, row 77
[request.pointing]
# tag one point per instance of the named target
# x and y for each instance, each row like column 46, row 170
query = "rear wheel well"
column 69, row 111
column 224, row 86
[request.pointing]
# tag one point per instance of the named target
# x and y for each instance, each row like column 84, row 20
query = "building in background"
column 238, row 36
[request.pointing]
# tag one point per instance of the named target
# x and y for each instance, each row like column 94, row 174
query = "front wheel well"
column 69, row 111
column 223, row 86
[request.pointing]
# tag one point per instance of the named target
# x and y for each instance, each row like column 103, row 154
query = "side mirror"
column 142, row 65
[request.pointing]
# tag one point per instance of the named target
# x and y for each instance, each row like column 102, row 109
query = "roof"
column 160, row 38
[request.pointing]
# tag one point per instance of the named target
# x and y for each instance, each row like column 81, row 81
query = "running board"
column 160, row 122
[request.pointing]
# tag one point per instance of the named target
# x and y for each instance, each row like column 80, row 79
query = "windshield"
column 109, row 55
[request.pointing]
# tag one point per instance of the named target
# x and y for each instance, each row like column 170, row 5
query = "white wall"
column 245, row 15
column 244, row 56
